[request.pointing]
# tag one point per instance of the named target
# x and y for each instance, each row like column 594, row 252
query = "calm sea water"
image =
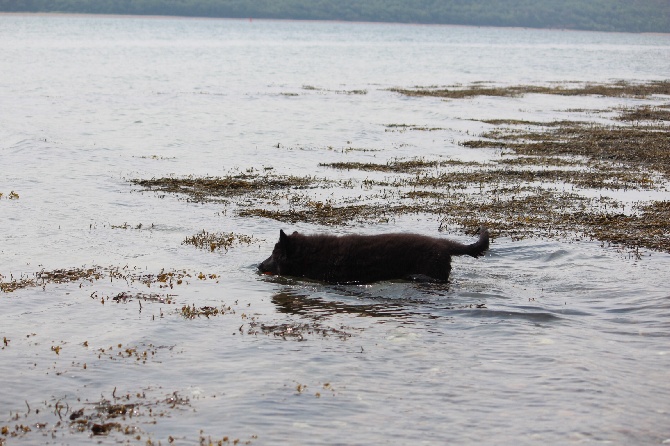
column 571, row 343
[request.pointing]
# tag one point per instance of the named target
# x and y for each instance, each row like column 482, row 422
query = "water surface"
column 556, row 341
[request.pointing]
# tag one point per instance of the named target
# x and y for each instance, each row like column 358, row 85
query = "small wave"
column 555, row 255
column 637, row 309
column 506, row 314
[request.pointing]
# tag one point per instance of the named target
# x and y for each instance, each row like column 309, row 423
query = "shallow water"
column 560, row 341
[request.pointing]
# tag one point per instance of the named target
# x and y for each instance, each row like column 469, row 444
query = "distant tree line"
column 597, row 15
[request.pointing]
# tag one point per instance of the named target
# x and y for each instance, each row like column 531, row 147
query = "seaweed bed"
column 617, row 89
column 534, row 186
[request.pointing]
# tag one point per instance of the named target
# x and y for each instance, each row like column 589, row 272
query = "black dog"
column 367, row 258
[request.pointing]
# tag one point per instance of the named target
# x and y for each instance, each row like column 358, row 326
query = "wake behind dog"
column 368, row 258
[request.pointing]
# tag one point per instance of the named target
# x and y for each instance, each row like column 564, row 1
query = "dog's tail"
column 475, row 249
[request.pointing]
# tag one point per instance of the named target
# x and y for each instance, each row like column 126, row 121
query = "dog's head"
column 278, row 263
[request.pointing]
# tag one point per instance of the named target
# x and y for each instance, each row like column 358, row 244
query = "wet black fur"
column 367, row 258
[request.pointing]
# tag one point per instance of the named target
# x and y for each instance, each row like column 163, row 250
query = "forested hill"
column 598, row 15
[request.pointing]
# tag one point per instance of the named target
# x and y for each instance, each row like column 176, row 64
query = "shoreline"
column 254, row 19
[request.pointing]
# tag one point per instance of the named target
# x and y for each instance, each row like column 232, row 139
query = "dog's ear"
column 283, row 239
column 284, row 245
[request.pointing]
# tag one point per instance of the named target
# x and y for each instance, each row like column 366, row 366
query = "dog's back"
column 368, row 258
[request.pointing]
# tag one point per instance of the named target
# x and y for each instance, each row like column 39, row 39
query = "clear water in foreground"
column 541, row 340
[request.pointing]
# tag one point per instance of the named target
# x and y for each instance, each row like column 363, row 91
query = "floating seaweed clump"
column 70, row 275
column 191, row 312
column 122, row 415
column 532, row 212
column 405, row 127
column 298, row 331
column 391, row 166
column 648, row 229
column 636, row 146
column 43, row 277
column 164, row 278
column 645, row 113
column 609, row 179
column 313, row 88
column 397, row 165
column 16, row 283
column 124, row 297
column 327, row 214
column 219, row 240
column 141, row 354
column 203, row 189
column 11, row 196
column 544, row 161
column 617, row 89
